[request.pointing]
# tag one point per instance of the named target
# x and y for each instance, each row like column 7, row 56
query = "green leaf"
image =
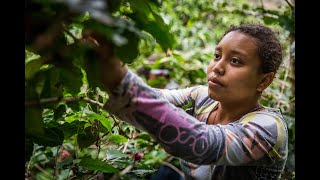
column 40, row 82
column 123, row 36
column 147, row 19
column 92, row 69
column 143, row 172
column 83, row 17
column 30, row 56
column 76, row 31
column 107, row 123
column 70, row 129
column 59, row 111
column 64, row 77
column 76, row 105
column 115, row 153
column 270, row 20
column 86, row 139
column 75, row 117
column 129, row 51
column 100, row 27
column 145, row 136
column 66, row 161
column 45, row 174
column 97, row 165
column 186, row 106
column 161, row 33
column 287, row 23
column 52, row 86
column 47, row 116
column 52, row 137
column 118, row 139
column 158, row 83
column 71, row 79
column 64, row 174
column 33, row 63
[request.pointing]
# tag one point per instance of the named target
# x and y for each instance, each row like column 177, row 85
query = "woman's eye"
column 216, row 56
column 234, row 61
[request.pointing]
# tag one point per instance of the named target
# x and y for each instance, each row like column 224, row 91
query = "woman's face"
column 233, row 75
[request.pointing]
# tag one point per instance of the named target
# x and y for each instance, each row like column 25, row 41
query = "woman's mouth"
column 214, row 81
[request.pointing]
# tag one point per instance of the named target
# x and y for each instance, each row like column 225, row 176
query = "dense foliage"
column 68, row 134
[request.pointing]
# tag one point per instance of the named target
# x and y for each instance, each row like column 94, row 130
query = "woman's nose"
column 218, row 68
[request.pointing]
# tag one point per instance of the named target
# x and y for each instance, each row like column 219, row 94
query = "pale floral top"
column 253, row 147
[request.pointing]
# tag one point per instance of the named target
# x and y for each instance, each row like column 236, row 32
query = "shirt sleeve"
column 179, row 97
column 179, row 133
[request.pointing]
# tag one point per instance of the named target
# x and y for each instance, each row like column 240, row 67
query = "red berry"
column 138, row 156
column 64, row 154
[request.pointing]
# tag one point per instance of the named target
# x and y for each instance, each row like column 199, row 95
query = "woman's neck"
column 226, row 113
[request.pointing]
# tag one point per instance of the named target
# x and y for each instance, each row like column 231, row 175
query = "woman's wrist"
column 113, row 71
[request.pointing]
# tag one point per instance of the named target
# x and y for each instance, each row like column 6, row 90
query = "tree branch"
column 65, row 99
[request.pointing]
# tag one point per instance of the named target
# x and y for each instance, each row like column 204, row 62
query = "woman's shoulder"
column 265, row 117
column 265, row 112
column 269, row 123
column 270, row 110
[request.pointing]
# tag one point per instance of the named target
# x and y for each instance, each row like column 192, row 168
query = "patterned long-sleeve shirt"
column 253, row 147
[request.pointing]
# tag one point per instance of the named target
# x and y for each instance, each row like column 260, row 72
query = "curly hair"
column 269, row 47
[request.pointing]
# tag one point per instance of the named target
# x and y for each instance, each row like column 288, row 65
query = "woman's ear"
column 266, row 80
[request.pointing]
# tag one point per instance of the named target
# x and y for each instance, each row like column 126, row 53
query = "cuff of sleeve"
column 123, row 98
column 116, row 96
column 121, row 88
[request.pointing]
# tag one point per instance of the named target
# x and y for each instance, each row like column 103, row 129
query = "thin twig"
column 98, row 141
column 76, row 144
column 117, row 124
column 173, row 168
column 42, row 170
column 125, row 147
column 93, row 102
column 55, row 162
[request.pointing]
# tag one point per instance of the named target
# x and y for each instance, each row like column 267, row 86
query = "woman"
column 225, row 133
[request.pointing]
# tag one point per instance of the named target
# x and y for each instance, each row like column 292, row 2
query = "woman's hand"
column 111, row 69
